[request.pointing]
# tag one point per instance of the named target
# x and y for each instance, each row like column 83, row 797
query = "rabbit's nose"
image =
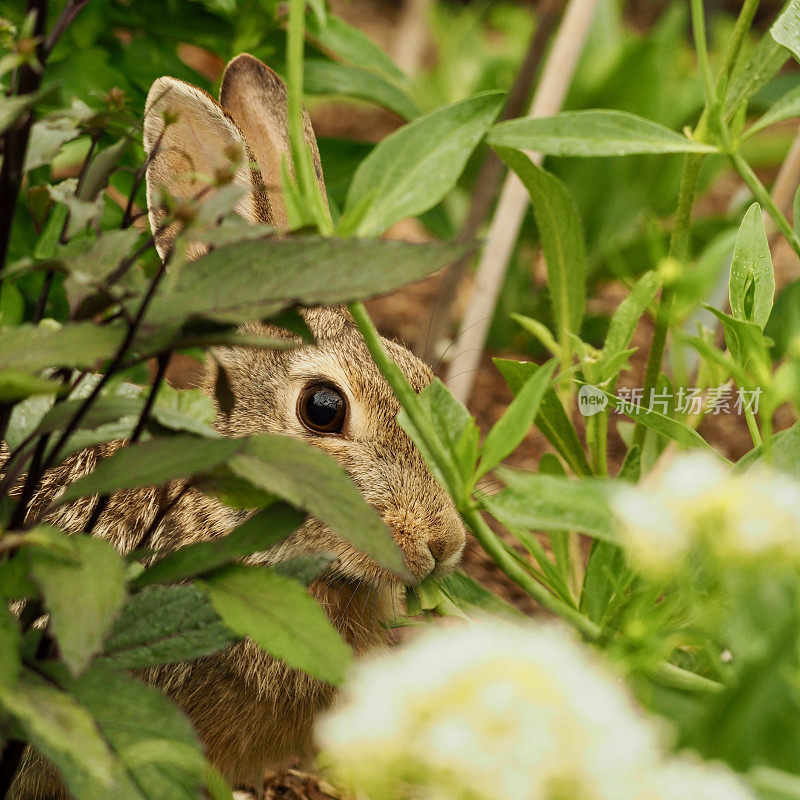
column 445, row 546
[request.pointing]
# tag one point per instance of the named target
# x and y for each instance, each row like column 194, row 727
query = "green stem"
column 752, row 427
column 740, row 29
column 667, row 674
column 597, row 429
column 699, row 31
column 305, row 176
column 765, row 200
column 408, row 400
column 678, row 250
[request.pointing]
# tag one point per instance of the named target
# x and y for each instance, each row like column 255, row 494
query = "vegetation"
column 689, row 589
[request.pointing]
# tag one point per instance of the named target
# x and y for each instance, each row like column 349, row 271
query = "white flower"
column 700, row 504
column 492, row 710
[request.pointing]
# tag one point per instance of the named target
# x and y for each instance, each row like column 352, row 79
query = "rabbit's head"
column 329, row 393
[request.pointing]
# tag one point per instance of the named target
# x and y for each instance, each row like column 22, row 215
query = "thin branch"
column 487, row 183
column 507, row 220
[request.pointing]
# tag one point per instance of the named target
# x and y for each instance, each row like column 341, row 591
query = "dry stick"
column 784, row 187
column 412, row 36
column 488, row 182
column 557, row 76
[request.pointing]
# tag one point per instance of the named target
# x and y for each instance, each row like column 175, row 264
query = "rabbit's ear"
column 186, row 135
column 256, row 99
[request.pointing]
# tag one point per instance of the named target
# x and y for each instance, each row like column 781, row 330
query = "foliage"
column 708, row 639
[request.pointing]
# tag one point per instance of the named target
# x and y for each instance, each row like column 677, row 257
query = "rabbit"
column 251, row 711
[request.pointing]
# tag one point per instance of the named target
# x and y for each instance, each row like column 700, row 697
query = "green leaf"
column 786, row 29
column 258, row 278
column 766, row 60
column 355, row 47
column 455, row 426
column 165, row 624
column 746, row 342
column 328, row 77
column 411, row 170
column 661, row 423
column 305, row 569
column 100, row 169
column 786, row 107
column 552, row 419
column 48, row 137
column 268, row 527
column 310, row 479
column 156, row 749
column 561, row 234
column 752, row 282
column 64, row 732
column 82, row 345
column 280, row 617
column 546, row 502
column 16, row 386
column 592, row 133
column 153, row 463
column 82, row 596
column 516, row 421
column 625, row 319
column 10, row 642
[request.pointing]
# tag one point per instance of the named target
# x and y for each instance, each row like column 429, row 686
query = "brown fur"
column 251, row 711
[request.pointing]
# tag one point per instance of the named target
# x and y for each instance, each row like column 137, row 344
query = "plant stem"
column 752, row 426
column 678, row 250
column 408, row 400
column 764, row 199
column 667, row 674
column 699, row 31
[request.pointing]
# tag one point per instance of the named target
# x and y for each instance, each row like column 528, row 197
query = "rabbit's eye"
column 321, row 408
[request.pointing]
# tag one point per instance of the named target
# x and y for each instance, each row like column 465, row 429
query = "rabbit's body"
column 251, row 711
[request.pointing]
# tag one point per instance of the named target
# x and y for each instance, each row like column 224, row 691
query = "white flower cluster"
column 491, row 711
column 701, row 503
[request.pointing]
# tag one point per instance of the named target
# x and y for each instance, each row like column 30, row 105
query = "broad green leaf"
column 164, row 624
column 516, row 421
column 153, row 463
column 411, row 170
column 592, row 133
column 661, row 423
column 786, row 107
column 156, row 749
column 256, row 279
column 552, row 419
column 10, row 641
column 310, row 479
column 47, row 137
column 304, row 569
column 328, row 77
column 65, row 733
column 83, row 345
column 12, row 108
column 561, row 234
column 752, row 282
column 544, row 502
column 355, row 47
column 764, row 63
column 268, row 527
column 455, row 426
column 625, row 319
column 100, row 169
column 83, row 596
column 786, row 29
column 15, row 386
column 277, row 613
column 464, row 590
